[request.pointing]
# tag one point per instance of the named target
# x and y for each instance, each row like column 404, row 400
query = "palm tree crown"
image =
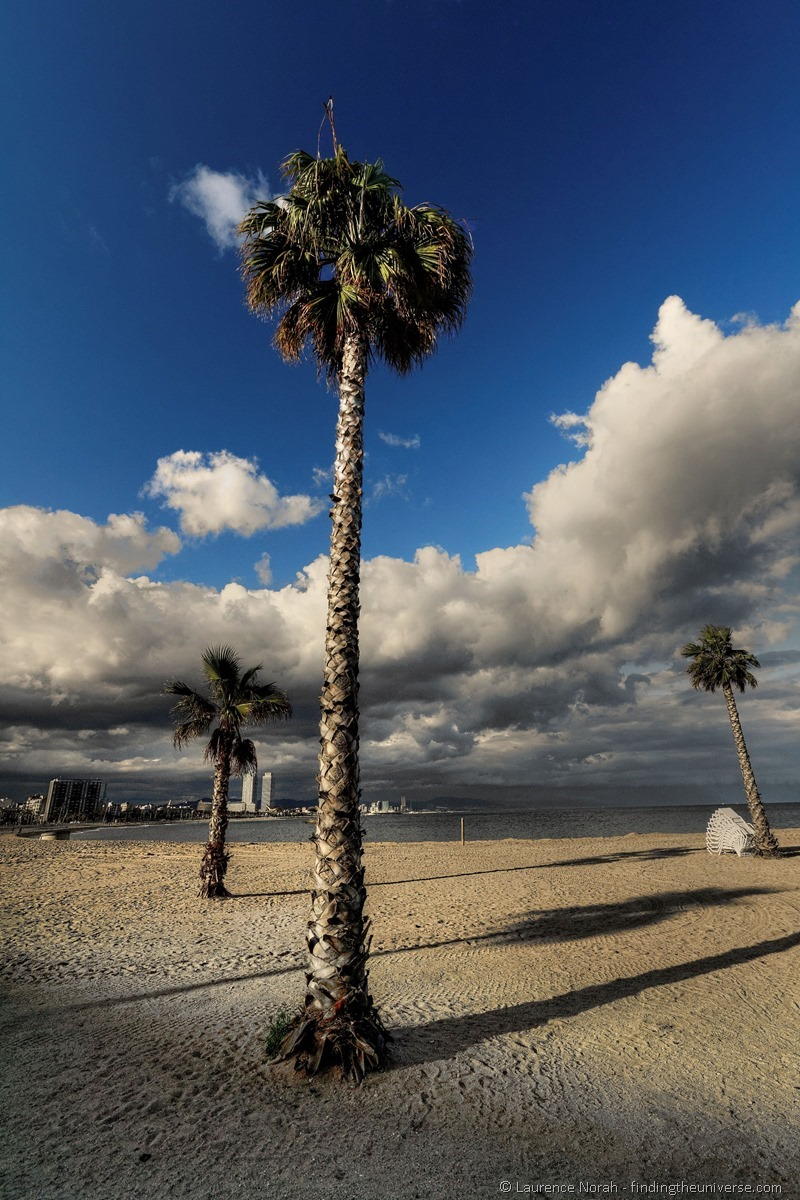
column 340, row 254
column 237, row 699
column 716, row 661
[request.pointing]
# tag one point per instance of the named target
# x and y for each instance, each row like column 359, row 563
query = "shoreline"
column 444, row 827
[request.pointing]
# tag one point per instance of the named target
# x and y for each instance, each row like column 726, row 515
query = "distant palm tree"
column 356, row 275
column 236, row 699
column 716, row 663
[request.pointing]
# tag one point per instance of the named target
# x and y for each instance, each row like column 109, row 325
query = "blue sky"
column 605, row 157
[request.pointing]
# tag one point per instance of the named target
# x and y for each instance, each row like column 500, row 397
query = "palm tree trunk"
column 766, row 842
column 339, row 1024
column 215, row 859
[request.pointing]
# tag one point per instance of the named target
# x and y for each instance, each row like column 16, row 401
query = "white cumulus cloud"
column 689, row 459
column 553, row 661
column 48, row 538
column 220, row 199
column 218, row 491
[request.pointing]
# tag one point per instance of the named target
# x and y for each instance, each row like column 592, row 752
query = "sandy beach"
column 597, row 1011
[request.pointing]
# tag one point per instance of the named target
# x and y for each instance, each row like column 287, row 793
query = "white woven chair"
column 726, row 831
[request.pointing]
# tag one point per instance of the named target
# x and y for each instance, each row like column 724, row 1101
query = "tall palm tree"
column 717, row 663
column 351, row 272
column 236, row 699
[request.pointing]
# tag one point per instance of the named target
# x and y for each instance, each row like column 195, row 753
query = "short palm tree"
column 717, row 663
column 353, row 273
column 236, row 699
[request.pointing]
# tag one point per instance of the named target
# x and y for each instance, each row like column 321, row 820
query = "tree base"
column 213, row 891
column 771, row 850
column 212, row 872
column 352, row 1039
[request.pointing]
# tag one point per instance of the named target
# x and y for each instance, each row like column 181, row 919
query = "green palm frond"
column 237, row 698
column 248, row 679
column 343, row 254
column 265, row 705
column 261, row 219
column 296, row 164
column 187, row 731
column 717, row 662
column 221, row 667
column 192, row 714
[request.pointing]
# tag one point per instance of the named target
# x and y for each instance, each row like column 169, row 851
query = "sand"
column 607, row 1012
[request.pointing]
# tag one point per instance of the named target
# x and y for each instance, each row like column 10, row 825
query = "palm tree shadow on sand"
column 449, row 1036
column 595, row 920
column 593, row 860
column 553, row 925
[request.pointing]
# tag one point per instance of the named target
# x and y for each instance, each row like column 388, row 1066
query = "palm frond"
column 312, row 319
column 716, row 662
column 260, row 220
column 401, row 342
column 192, row 714
column 296, row 164
column 266, row 704
column 186, row 731
column 249, row 677
column 243, row 757
column 221, row 666
column 219, row 744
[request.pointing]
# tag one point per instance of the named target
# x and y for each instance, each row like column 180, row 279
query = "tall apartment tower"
column 266, row 790
column 73, row 800
column 251, row 793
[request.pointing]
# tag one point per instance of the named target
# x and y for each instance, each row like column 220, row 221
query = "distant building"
column 266, row 790
column 74, row 800
column 379, row 806
column 251, row 793
column 256, row 796
column 10, row 812
column 35, row 805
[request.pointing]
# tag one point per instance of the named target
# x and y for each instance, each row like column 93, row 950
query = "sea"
column 446, row 826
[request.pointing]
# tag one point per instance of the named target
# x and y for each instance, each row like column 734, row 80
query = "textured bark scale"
column 340, row 1023
column 215, row 858
column 766, row 842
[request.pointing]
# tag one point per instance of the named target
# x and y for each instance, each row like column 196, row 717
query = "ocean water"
column 445, row 827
